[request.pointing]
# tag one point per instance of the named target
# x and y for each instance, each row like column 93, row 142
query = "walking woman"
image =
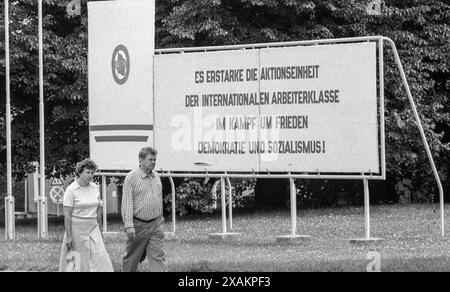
column 82, row 215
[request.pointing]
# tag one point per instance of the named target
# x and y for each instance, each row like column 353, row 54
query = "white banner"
column 120, row 64
column 298, row 109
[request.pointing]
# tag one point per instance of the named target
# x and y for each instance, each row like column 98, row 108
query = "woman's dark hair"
column 85, row 164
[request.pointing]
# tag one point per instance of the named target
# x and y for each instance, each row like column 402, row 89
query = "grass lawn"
column 411, row 235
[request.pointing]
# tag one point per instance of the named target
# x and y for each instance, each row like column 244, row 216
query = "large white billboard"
column 120, row 69
column 294, row 109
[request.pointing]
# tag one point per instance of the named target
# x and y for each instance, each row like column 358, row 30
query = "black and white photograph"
column 240, row 138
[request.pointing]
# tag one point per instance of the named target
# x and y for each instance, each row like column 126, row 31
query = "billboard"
column 120, row 66
column 291, row 109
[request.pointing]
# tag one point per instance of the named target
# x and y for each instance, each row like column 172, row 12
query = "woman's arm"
column 68, row 225
column 100, row 214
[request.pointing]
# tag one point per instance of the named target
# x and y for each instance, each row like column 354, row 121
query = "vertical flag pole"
column 105, row 224
column 9, row 200
column 43, row 199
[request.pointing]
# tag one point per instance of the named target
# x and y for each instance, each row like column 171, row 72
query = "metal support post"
column 293, row 237
column 224, row 234
column 230, row 204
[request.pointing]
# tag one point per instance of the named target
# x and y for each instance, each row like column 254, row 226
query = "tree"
column 65, row 86
column 420, row 28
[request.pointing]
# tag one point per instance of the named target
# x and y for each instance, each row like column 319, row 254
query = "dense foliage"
column 420, row 28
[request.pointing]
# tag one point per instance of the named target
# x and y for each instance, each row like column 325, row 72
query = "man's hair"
column 146, row 151
column 85, row 164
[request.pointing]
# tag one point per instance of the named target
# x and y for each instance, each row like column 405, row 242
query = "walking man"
column 142, row 215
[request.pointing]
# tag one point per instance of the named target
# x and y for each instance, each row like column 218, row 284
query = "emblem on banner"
column 120, row 64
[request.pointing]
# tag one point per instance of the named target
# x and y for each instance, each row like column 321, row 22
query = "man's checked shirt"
column 142, row 197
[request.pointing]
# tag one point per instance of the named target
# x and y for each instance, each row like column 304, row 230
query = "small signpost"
column 57, row 193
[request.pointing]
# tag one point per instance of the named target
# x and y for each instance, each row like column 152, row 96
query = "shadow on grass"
column 437, row 264
column 292, row 266
column 32, row 222
column 241, row 243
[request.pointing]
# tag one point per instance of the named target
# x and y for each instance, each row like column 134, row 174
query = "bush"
column 191, row 196
column 243, row 191
column 195, row 195
column 325, row 193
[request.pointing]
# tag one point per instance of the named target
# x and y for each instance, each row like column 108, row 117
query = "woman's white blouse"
column 84, row 200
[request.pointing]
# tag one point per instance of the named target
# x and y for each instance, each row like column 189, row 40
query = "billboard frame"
column 380, row 40
column 380, row 174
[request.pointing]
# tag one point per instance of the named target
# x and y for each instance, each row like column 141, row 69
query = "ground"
column 411, row 233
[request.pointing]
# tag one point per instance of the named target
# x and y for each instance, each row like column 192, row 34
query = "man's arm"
column 127, row 205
